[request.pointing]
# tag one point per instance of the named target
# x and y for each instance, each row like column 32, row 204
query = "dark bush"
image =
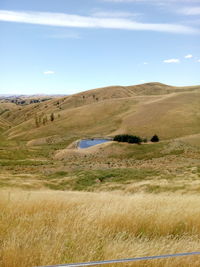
column 132, row 139
column 52, row 117
column 155, row 139
column 121, row 138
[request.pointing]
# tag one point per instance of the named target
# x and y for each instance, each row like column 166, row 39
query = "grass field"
column 170, row 166
column 61, row 204
column 43, row 228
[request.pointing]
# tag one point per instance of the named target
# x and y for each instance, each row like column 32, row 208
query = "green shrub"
column 132, row 139
column 155, row 138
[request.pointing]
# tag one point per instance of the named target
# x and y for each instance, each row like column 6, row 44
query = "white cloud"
column 66, row 20
column 172, row 60
column 189, row 56
column 49, row 72
column 190, row 11
column 145, row 63
column 198, row 60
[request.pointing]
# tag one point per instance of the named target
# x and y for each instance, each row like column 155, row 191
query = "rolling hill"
column 144, row 109
column 150, row 184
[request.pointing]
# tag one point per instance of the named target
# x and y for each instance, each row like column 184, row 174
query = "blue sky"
column 67, row 46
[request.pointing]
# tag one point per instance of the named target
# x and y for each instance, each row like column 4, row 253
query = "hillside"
column 35, row 153
column 142, row 109
column 6, row 109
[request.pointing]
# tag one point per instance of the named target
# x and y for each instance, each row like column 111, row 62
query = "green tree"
column 52, row 117
column 155, row 139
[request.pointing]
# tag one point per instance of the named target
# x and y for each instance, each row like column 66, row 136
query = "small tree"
column 52, row 117
column 155, row 139
column 37, row 124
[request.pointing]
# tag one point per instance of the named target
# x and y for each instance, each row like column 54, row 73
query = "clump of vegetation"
column 42, row 119
column 155, row 139
column 52, row 117
column 132, row 139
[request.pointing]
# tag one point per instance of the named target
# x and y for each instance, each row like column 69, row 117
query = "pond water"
column 85, row 143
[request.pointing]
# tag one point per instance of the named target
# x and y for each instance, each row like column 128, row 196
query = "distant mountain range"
column 26, row 96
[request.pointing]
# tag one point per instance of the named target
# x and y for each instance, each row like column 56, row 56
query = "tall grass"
column 43, row 228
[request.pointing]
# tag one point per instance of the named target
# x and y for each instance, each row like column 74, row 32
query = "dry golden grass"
column 172, row 116
column 6, row 105
column 48, row 227
column 41, row 228
column 193, row 140
column 143, row 109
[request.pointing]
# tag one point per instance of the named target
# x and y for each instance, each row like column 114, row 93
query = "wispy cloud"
column 190, row 11
column 172, row 60
column 67, row 20
column 145, row 63
column 189, row 56
column 49, row 72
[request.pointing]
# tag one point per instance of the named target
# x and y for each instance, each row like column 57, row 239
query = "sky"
column 68, row 46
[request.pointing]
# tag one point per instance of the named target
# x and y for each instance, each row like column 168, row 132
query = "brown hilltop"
column 142, row 109
column 117, row 91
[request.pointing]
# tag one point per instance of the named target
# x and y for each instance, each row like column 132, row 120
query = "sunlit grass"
column 42, row 228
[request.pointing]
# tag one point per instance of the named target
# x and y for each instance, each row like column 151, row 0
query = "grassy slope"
column 4, row 124
column 42, row 228
column 6, row 109
column 97, row 118
column 164, row 167
column 169, row 116
column 173, row 116
column 167, row 166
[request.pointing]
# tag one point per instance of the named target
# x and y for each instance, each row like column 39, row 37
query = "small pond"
column 85, row 143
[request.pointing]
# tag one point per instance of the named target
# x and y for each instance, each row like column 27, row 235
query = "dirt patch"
column 73, row 150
